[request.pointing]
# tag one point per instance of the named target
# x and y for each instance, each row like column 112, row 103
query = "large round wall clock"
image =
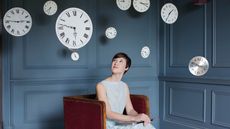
column 123, row 4
column 17, row 21
column 169, row 13
column 50, row 7
column 74, row 28
column 198, row 66
column 141, row 5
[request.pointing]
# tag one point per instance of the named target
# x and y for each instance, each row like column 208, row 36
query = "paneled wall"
column 38, row 70
column 1, row 29
column 187, row 101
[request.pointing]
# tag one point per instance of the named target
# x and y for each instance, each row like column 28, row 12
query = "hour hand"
column 75, row 33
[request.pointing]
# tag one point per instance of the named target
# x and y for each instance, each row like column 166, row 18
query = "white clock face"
column 74, row 28
column 75, row 56
column 123, row 4
column 111, row 32
column 17, row 21
column 50, row 7
column 169, row 13
column 145, row 52
column 141, row 5
column 198, row 65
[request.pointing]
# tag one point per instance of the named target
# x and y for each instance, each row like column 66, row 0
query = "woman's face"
column 118, row 65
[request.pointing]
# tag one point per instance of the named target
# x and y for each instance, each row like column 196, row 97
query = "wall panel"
column 196, row 102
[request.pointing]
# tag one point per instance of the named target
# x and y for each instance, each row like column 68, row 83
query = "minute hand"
column 71, row 27
column 169, row 14
column 145, row 4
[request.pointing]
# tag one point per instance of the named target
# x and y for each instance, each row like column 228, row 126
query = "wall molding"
column 213, row 106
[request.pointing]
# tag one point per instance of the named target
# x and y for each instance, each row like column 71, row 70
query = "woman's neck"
column 116, row 77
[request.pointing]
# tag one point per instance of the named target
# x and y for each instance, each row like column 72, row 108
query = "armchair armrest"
column 77, row 110
column 140, row 103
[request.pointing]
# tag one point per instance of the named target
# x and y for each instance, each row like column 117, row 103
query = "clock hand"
column 16, row 21
column 49, row 9
column 75, row 33
column 72, row 27
column 169, row 14
column 22, row 21
column 145, row 4
column 12, row 21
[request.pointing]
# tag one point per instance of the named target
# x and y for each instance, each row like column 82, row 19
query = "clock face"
column 169, row 13
column 74, row 28
column 75, row 56
column 145, row 52
column 17, row 21
column 50, row 7
column 111, row 32
column 141, row 5
column 198, row 65
column 123, row 4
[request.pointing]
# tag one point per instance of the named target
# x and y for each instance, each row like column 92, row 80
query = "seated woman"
column 115, row 93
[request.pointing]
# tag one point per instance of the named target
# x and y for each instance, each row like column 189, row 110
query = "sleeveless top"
column 116, row 95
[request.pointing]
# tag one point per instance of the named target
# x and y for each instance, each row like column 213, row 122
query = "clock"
column 123, row 4
column 50, row 7
column 169, row 13
column 141, row 5
column 75, row 56
column 198, row 65
column 110, row 32
column 17, row 21
column 74, row 28
column 145, row 52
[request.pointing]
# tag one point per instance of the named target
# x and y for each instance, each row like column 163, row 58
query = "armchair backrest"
column 86, row 112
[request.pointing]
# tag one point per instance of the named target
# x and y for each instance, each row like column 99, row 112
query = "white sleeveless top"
column 116, row 95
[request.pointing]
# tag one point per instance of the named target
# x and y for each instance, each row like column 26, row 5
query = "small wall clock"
column 50, row 7
column 141, row 5
column 198, row 65
column 123, row 4
column 17, row 21
column 74, row 28
column 169, row 13
column 75, row 56
column 111, row 33
column 145, row 52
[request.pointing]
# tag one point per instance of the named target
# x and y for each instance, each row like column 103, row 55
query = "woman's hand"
column 142, row 117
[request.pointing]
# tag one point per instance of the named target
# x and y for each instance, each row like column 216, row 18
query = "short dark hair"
column 126, row 57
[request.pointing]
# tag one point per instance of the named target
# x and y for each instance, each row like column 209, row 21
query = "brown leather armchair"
column 86, row 112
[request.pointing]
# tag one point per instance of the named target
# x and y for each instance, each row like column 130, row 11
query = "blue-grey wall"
column 186, row 101
column 38, row 70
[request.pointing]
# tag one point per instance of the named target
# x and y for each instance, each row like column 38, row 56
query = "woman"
column 115, row 94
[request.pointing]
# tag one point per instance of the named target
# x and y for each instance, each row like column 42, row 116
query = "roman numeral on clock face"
column 86, row 36
column 67, row 40
column 75, row 13
column 62, row 35
column 68, row 14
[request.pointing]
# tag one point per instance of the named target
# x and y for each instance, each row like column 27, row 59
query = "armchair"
column 86, row 112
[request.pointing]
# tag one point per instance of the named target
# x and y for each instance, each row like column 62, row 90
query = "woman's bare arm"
column 101, row 94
